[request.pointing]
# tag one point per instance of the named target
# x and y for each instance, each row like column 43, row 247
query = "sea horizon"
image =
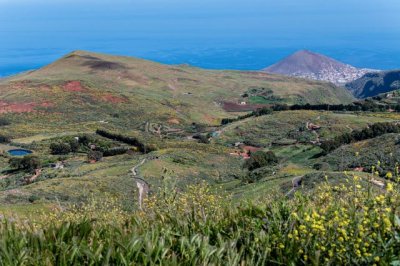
column 207, row 58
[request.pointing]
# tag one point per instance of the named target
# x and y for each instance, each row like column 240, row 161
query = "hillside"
column 83, row 88
column 164, row 122
column 310, row 65
column 372, row 84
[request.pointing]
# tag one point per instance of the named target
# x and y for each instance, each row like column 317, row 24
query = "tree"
column 260, row 159
column 27, row 163
column 4, row 139
column 60, row 148
column 74, row 144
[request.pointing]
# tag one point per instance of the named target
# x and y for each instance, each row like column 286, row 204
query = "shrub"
column 74, row 144
column 60, row 148
column 260, row 159
column 85, row 140
column 4, row 122
column 115, row 151
column 258, row 174
column 33, row 198
column 203, row 139
column 4, row 139
column 27, row 163
column 321, row 166
column 262, row 111
column 94, row 156
column 333, row 225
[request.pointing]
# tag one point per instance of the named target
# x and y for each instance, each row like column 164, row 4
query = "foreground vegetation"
column 348, row 223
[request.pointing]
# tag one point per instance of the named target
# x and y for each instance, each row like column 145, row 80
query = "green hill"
column 83, row 88
column 164, row 107
column 372, row 84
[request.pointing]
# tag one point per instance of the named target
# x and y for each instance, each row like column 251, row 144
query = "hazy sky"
column 35, row 32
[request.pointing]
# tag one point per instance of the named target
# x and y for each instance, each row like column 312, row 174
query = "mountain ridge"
column 372, row 84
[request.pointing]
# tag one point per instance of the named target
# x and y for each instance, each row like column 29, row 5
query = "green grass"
column 336, row 225
column 367, row 153
column 284, row 127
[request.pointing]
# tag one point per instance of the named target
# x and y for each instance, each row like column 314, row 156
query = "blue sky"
column 215, row 34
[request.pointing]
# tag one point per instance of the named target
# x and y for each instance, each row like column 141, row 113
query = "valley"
column 128, row 110
column 111, row 137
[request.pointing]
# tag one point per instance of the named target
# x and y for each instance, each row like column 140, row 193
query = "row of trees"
column 258, row 112
column 364, row 106
column 370, row 132
column 125, row 139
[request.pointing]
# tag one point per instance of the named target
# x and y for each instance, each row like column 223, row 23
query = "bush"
column 115, row 151
column 336, row 225
column 4, row 139
column 27, row 163
column 4, row 122
column 204, row 139
column 74, row 144
column 260, row 159
column 60, row 148
column 94, row 156
column 258, row 174
column 85, row 140
column 33, row 198
column 321, row 166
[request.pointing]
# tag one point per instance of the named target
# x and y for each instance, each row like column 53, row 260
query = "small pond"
column 19, row 152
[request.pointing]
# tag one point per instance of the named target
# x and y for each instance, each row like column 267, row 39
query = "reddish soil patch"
column 173, row 121
column 16, row 107
column 244, row 155
column 74, row 86
column 210, row 119
column 251, row 148
column 47, row 104
column 113, row 99
column 6, row 107
column 45, row 87
column 236, row 107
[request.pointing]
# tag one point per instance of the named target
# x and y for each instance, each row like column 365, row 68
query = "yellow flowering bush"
column 353, row 222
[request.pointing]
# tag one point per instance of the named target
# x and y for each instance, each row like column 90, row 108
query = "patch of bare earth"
column 74, row 86
column 174, row 121
column 113, row 98
column 6, row 107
